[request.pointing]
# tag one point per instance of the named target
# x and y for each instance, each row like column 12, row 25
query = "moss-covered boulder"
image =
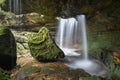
column 7, row 49
column 42, row 46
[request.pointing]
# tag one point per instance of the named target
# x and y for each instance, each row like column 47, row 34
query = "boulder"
column 7, row 49
column 42, row 46
column 33, row 18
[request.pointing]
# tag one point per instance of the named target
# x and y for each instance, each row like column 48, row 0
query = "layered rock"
column 7, row 49
column 42, row 46
column 21, row 42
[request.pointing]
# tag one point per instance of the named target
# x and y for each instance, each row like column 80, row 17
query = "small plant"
column 4, row 75
column 2, row 2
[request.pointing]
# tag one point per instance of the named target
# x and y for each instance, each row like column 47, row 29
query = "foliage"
column 4, row 75
column 107, row 40
column 2, row 2
column 102, row 33
column 107, row 57
column 5, row 17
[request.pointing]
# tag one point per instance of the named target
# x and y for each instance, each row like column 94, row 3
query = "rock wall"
column 21, row 38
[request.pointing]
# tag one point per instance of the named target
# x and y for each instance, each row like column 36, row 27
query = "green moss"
column 30, row 69
column 37, row 78
column 42, row 46
column 89, row 78
column 24, row 72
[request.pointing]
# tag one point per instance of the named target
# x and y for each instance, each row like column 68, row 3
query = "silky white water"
column 72, row 39
column 71, row 36
column 82, row 24
column 91, row 66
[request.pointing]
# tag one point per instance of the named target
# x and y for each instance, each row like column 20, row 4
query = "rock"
column 7, row 49
column 45, row 71
column 33, row 18
column 25, row 72
column 20, row 36
column 21, row 50
column 21, row 41
column 42, row 46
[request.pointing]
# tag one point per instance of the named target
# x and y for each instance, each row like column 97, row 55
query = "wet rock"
column 42, row 46
column 7, row 49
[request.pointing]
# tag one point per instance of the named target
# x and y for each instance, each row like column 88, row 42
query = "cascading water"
column 72, row 39
column 10, row 5
column 67, row 36
column 72, row 36
column 15, row 6
column 82, row 24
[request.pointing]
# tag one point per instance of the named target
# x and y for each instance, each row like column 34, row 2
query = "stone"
column 7, row 49
column 25, row 71
column 21, row 41
column 43, row 47
column 33, row 18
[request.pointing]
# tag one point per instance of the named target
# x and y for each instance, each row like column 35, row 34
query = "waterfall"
column 66, row 36
column 72, row 39
column 82, row 24
column 15, row 6
column 71, row 36
column 10, row 5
